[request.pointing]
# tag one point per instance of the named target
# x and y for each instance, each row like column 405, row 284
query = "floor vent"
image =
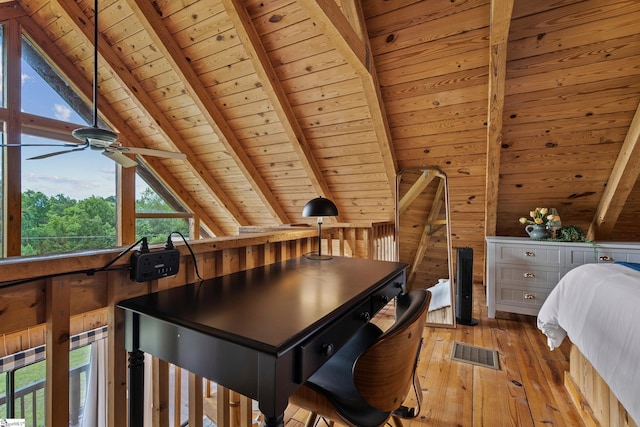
column 475, row 355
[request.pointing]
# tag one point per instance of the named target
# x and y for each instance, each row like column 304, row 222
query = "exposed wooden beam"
column 501, row 11
column 128, row 82
column 84, row 87
column 164, row 41
column 416, row 189
column 328, row 16
column 126, row 205
column 10, row 10
column 11, row 156
column 356, row 50
column 622, row 180
column 270, row 83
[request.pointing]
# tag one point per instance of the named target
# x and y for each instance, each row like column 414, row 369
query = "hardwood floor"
column 527, row 391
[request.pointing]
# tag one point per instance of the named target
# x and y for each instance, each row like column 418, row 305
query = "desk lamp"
column 319, row 207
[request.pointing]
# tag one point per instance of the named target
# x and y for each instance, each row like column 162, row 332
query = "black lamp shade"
column 320, row 207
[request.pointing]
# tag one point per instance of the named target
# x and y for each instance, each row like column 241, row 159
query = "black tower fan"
column 464, row 279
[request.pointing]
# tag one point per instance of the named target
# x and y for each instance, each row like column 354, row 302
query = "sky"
column 78, row 174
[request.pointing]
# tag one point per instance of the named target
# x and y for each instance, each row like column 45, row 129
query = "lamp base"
column 318, row 257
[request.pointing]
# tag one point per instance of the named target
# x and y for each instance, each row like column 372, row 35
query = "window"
column 45, row 93
column 68, row 197
column 23, row 382
column 156, row 229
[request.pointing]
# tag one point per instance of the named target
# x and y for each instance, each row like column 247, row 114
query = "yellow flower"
column 539, row 216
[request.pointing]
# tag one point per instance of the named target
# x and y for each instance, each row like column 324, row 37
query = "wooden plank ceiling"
column 520, row 103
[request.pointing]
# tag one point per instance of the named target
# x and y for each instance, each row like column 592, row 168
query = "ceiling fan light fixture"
column 85, row 134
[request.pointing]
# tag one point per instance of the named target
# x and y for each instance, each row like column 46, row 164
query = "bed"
column 597, row 306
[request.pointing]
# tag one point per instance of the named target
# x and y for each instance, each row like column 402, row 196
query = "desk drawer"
column 319, row 349
column 389, row 292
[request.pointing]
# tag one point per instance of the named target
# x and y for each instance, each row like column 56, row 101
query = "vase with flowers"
column 536, row 227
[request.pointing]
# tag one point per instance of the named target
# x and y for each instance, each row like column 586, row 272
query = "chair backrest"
column 383, row 373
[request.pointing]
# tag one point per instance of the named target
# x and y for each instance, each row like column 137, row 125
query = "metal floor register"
column 475, row 355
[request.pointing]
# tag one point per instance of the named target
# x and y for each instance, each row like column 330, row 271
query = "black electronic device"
column 153, row 265
column 464, row 287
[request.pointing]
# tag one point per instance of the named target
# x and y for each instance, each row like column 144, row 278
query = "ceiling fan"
column 97, row 138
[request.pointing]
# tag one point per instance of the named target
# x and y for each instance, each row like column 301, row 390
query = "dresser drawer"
column 523, row 254
column 522, row 275
column 580, row 255
column 529, row 298
column 612, row 255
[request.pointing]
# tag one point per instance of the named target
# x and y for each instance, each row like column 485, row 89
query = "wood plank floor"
column 528, row 389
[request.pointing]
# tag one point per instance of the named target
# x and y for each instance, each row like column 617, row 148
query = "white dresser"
column 521, row 272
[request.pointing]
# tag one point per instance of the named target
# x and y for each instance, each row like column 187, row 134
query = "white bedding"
column 598, row 307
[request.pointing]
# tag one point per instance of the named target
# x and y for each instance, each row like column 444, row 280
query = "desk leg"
column 136, row 388
column 274, row 421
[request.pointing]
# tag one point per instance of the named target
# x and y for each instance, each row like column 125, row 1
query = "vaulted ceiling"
column 520, row 103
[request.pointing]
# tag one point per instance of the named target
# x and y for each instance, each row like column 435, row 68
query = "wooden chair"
column 366, row 382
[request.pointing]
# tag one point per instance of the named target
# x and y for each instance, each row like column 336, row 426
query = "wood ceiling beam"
column 10, row 10
column 356, row 50
column 416, row 189
column 143, row 101
column 501, row 11
column 622, row 180
column 85, row 88
column 278, row 97
column 164, row 41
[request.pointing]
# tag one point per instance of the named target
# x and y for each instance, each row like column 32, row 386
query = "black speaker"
column 464, row 287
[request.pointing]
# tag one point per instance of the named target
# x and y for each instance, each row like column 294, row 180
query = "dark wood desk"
column 261, row 332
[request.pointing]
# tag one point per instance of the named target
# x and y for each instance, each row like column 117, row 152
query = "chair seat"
column 369, row 377
column 335, row 381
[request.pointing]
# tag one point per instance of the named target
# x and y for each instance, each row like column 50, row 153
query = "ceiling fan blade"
column 56, row 153
column 120, row 158
column 39, row 145
column 152, row 152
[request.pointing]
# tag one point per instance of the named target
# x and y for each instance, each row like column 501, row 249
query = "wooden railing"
column 28, row 401
column 45, row 300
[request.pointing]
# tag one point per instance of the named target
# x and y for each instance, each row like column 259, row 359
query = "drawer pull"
column 328, row 350
column 529, row 253
column 383, row 298
column 365, row 316
column 606, row 258
column 529, row 296
column 529, row 275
